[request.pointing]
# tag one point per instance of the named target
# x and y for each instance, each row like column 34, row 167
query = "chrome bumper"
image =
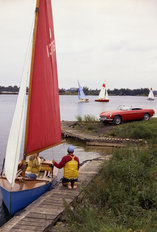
column 104, row 119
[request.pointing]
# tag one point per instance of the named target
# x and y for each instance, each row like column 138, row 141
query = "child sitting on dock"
column 71, row 164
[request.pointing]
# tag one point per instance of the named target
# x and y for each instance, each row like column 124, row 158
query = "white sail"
column 107, row 97
column 16, row 131
column 103, row 93
column 151, row 95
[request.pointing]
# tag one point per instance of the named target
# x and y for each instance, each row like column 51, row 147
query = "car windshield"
column 123, row 107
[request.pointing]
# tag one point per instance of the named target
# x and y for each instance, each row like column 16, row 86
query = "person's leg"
column 65, row 182
column 75, row 185
column 32, row 176
column 45, row 174
column 26, row 175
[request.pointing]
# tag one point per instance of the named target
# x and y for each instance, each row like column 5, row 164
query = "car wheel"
column 117, row 120
column 146, row 117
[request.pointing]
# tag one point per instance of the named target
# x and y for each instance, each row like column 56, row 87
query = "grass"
column 122, row 198
column 87, row 118
column 87, row 123
column 146, row 130
column 137, row 130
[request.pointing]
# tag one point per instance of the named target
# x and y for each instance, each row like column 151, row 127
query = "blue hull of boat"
column 16, row 201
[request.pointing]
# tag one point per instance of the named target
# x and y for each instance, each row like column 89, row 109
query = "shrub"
column 90, row 118
column 79, row 118
column 87, row 118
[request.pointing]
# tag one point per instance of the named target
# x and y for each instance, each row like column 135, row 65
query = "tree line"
column 87, row 91
column 10, row 89
column 114, row 92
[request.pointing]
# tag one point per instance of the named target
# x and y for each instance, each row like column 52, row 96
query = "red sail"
column 43, row 125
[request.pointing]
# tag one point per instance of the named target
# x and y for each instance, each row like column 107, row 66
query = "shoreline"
column 90, row 139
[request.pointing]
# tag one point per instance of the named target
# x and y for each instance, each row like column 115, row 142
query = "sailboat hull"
column 102, row 100
column 17, row 200
column 83, row 100
column 150, row 99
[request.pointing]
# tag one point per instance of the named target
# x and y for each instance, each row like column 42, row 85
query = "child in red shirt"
column 71, row 165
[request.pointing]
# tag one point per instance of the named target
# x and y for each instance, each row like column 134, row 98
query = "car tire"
column 146, row 117
column 117, row 120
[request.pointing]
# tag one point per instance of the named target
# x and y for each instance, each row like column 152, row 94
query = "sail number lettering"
column 51, row 48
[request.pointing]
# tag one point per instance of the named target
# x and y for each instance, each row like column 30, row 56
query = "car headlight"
column 110, row 115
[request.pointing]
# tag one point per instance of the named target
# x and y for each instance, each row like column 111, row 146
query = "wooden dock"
column 43, row 213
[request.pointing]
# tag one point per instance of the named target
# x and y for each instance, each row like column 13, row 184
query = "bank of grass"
column 122, row 198
column 137, row 130
column 146, row 130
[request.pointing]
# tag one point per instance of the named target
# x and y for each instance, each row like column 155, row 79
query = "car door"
column 128, row 115
column 137, row 114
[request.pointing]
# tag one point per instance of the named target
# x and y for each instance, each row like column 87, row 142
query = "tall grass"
column 88, row 218
column 123, row 197
column 79, row 118
column 87, row 118
column 86, row 123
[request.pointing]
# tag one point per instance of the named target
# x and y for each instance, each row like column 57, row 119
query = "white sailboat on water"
column 81, row 95
column 43, row 128
column 103, row 95
column 151, row 94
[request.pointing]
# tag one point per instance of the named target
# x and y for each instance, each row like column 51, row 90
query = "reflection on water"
column 70, row 109
column 4, row 215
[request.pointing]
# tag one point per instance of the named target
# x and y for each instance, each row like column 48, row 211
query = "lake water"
column 69, row 109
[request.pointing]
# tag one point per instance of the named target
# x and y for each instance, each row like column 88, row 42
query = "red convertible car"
column 124, row 114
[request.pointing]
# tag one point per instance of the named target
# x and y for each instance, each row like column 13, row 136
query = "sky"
column 96, row 40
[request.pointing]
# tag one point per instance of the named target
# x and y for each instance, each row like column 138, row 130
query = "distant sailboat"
column 150, row 95
column 81, row 95
column 43, row 128
column 103, row 95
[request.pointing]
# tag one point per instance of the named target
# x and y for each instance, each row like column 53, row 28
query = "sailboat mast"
column 31, row 74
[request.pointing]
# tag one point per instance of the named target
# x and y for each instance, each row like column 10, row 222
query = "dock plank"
column 46, row 210
column 30, row 228
column 41, row 215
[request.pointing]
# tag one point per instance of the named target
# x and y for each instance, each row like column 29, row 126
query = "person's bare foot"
column 69, row 185
column 75, row 185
